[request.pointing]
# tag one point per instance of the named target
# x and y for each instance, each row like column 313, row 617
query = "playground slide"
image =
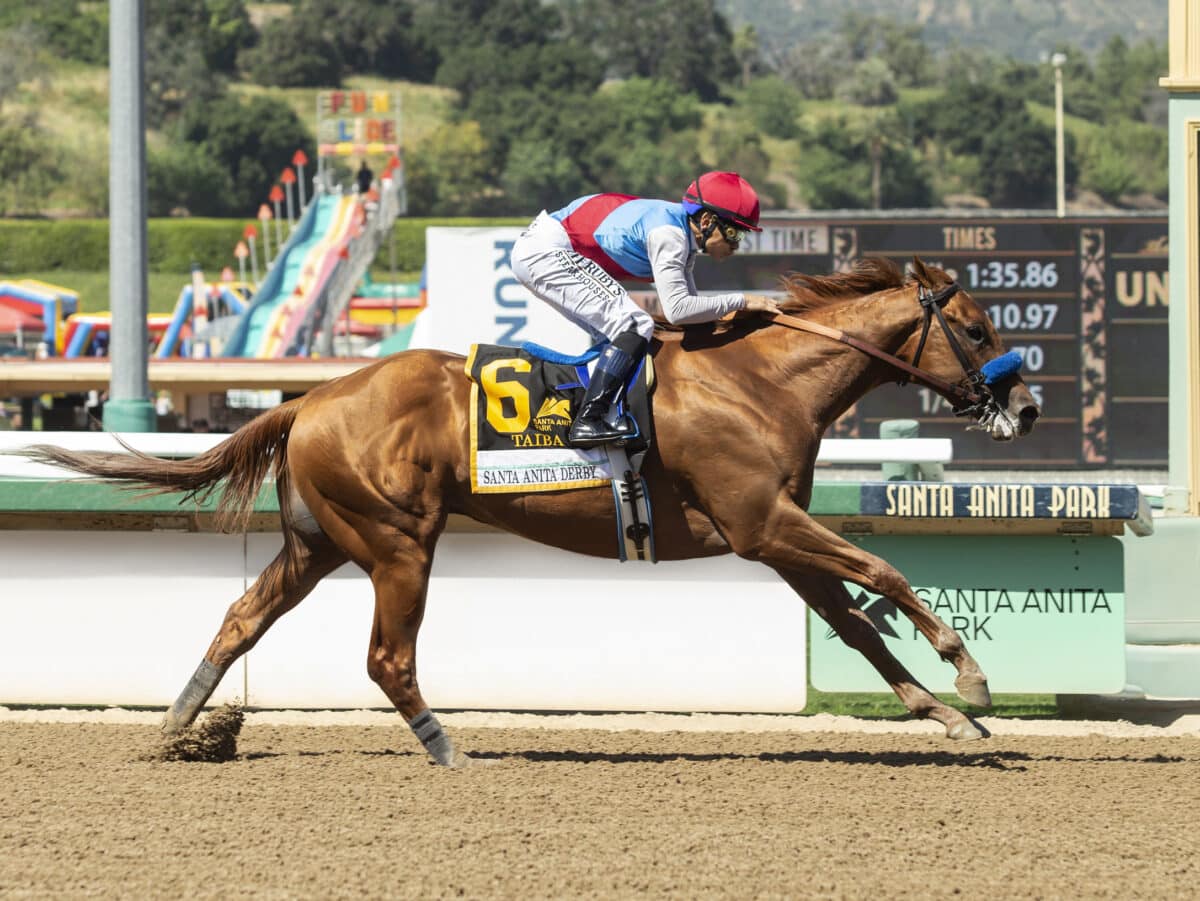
column 286, row 275
column 283, row 331
column 172, row 338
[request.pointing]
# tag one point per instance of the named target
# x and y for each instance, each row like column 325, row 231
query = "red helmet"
column 728, row 195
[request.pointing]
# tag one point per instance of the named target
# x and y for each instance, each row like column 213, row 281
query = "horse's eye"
column 976, row 332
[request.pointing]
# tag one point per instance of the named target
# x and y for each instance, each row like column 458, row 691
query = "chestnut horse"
column 368, row 467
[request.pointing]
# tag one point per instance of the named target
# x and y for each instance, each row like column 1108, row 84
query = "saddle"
column 522, row 404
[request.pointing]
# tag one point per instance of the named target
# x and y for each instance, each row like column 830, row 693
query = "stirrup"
column 595, row 432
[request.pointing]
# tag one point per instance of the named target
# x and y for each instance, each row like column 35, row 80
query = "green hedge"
column 173, row 244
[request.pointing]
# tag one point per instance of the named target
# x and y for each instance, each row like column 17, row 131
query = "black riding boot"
column 597, row 421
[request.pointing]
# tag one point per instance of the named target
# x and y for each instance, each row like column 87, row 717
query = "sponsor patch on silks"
column 521, row 412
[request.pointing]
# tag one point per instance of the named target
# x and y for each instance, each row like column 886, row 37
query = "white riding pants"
column 545, row 263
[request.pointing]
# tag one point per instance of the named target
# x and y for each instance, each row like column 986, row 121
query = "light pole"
column 130, row 407
column 1057, row 61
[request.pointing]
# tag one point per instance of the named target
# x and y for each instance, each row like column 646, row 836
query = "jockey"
column 575, row 258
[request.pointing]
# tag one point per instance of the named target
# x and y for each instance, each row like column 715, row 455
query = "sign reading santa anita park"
column 1039, row 613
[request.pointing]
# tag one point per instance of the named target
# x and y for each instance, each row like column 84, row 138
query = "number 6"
column 497, row 390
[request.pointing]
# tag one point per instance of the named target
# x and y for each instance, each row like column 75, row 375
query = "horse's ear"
column 920, row 273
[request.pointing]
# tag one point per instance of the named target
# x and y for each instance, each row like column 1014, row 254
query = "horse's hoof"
column 973, row 690
column 964, row 730
column 463, row 761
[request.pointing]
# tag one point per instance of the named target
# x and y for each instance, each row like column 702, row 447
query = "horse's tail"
column 242, row 461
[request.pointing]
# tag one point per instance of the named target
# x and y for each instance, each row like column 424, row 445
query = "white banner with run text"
column 474, row 298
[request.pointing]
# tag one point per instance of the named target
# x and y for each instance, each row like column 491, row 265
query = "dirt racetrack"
column 356, row 811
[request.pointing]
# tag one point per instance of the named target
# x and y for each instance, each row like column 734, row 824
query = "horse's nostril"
column 1030, row 413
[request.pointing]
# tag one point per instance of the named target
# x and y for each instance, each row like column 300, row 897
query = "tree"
column 746, row 52
column 29, row 169
column 645, row 108
column 471, row 23
column 251, row 140
column 685, row 42
column 960, row 65
column 735, row 148
column 494, row 44
column 537, row 177
column 1131, row 159
column 941, row 117
column 844, row 166
column 18, row 61
column 870, row 84
column 906, row 54
column 772, row 107
column 899, row 47
column 69, row 29
column 176, row 76
column 1015, row 153
column 370, row 36
column 815, row 68
column 1106, row 171
column 1128, row 77
column 639, row 137
column 447, row 173
column 294, row 51
column 1017, row 164
column 219, row 29
column 1082, row 96
column 186, row 177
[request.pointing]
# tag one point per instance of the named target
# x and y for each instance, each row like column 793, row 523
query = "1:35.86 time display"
column 1012, row 274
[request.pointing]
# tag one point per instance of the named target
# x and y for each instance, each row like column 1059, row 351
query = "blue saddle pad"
column 554, row 356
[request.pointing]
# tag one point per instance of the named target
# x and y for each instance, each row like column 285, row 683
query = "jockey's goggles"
column 731, row 233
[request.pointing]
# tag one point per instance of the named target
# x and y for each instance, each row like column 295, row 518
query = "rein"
column 966, row 401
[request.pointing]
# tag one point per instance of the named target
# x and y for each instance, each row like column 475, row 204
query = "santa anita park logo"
column 979, row 614
column 1031, row 629
column 554, row 412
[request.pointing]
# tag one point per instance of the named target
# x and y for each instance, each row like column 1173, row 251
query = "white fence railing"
column 509, row 625
column 180, row 444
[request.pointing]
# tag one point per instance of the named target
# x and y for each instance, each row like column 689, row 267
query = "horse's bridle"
column 972, row 400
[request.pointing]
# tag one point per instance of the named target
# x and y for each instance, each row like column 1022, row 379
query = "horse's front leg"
column 833, row 603
column 787, row 538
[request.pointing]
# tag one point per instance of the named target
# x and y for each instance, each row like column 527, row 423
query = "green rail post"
column 900, row 428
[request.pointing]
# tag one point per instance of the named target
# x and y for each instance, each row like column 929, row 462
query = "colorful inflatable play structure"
column 316, row 297
column 35, row 312
column 187, row 333
column 44, row 319
column 88, row 334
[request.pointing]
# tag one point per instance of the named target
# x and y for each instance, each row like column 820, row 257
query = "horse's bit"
column 975, row 400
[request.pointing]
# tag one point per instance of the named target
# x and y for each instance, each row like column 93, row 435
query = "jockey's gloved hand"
column 760, row 303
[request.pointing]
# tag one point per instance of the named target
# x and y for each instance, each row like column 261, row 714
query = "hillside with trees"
column 515, row 105
column 1028, row 30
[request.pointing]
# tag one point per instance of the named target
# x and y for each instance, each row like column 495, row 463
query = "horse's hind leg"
column 285, row 582
column 833, row 603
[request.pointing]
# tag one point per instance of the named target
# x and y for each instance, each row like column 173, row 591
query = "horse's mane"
column 867, row 276
column 813, row 292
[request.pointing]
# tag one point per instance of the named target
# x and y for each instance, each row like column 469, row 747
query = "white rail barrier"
column 182, row 444
column 123, row 618
column 120, row 618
